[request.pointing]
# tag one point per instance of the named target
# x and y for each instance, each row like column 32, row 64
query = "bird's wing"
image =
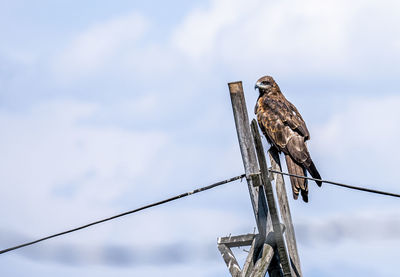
column 280, row 121
column 296, row 121
column 272, row 123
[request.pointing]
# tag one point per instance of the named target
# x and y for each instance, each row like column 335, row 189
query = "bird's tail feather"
column 314, row 173
column 298, row 184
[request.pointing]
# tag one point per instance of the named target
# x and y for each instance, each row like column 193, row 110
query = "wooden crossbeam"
column 250, row 269
column 237, row 241
column 267, row 260
column 224, row 245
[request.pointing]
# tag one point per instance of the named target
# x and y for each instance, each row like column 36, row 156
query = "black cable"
column 190, row 193
column 338, row 184
column 129, row 212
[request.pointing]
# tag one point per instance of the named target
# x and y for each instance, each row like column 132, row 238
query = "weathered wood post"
column 249, row 156
column 256, row 191
column 285, row 212
column 268, row 249
column 271, row 200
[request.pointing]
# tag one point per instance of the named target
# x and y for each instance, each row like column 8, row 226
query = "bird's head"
column 266, row 84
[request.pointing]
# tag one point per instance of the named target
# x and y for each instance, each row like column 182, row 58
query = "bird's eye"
column 265, row 83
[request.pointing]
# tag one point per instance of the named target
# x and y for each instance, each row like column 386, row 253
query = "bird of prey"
column 285, row 129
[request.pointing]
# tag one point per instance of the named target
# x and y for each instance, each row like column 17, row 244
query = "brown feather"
column 285, row 129
column 298, row 184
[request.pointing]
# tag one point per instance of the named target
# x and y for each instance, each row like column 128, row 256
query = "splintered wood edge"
column 236, row 241
column 235, row 87
column 230, row 260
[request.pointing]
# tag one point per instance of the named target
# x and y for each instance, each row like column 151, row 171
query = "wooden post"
column 285, row 212
column 263, row 256
column 271, row 201
column 249, row 156
column 256, row 191
column 261, row 267
column 249, row 263
column 230, row 260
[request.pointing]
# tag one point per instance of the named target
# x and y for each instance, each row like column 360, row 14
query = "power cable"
column 129, row 212
column 338, row 184
column 193, row 192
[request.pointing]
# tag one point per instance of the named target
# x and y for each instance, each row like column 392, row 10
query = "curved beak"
column 257, row 85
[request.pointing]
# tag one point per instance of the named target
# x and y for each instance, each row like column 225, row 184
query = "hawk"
column 285, row 129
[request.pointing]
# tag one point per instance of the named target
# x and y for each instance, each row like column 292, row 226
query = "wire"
column 129, row 212
column 190, row 193
column 337, row 184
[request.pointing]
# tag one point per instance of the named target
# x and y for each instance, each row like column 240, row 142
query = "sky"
column 108, row 106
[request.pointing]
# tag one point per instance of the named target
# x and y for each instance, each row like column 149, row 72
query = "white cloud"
column 368, row 123
column 199, row 32
column 290, row 36
column 59, row 171
column 356, row 226
column 355, row 239
column 51, row 158
column 100, row 44
column 359, row 140
column 242, row 30
column 250, row 37
column 350, row 259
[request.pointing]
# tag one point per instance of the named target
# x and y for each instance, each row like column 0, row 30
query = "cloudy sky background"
column 105, row 107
